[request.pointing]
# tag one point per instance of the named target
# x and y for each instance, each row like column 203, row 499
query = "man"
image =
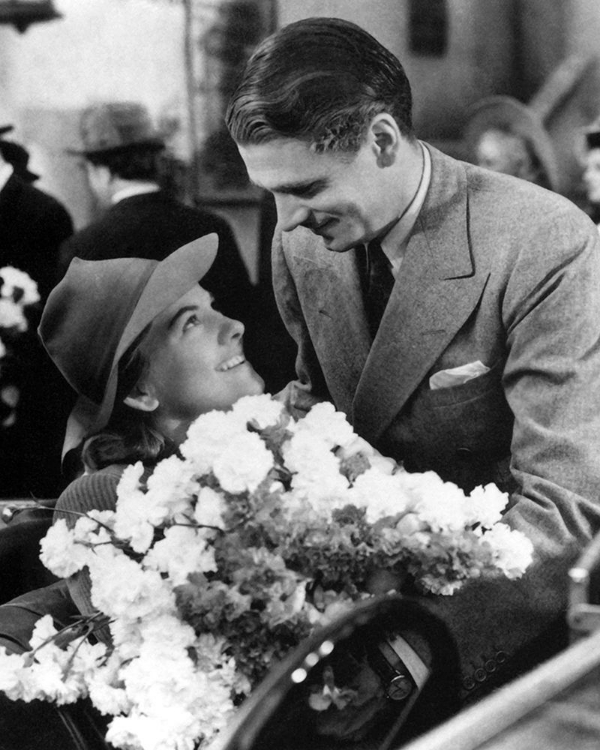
column 33, row 224
column 121, row 150
column 485, row 364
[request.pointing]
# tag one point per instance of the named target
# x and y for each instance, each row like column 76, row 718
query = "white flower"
column 380, row 494
column 262, row 410
column 244, row 464
column 170, row 489
column 182, row 551
column 210, row 508
column 15, row 281
column 316, row 470
column 207, row 437
column 485, row 505
column 61, row 553
column 11, row 315
column 512, row 550
column 329, row 425
column 12, row 673
column 439, row 504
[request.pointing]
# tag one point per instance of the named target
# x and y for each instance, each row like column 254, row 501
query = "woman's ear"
column 386, row 138
column 141, row 398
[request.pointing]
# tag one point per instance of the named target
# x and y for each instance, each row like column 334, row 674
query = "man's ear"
column 141, row 398
column 386, row 138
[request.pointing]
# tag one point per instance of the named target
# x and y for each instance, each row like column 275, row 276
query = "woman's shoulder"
column 94, row 491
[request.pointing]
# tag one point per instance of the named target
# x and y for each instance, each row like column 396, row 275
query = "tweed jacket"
column 500, row 271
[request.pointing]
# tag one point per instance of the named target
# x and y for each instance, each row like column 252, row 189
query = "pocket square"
column 457, row 375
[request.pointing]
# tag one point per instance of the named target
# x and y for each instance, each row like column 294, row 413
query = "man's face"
column 99, row 180
column 505, row 153
column 591, row 175
column 343, row 198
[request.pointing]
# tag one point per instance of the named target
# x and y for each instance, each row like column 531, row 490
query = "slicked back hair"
column 320, row 80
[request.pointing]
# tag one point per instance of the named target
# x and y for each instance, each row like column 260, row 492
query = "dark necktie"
column 379, row 283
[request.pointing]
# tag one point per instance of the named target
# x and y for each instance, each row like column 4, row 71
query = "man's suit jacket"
column 32, row 227
column 506, row 273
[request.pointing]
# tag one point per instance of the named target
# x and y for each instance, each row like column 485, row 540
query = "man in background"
column 33, row 225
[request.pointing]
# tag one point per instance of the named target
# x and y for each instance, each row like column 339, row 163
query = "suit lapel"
column 437, row 290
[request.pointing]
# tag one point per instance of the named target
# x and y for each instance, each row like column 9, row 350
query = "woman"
column 147, row 353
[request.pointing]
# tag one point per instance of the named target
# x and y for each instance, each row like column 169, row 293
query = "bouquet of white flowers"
column 230, row 553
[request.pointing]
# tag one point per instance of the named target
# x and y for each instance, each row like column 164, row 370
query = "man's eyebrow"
column 295, row 188
column 179, row 313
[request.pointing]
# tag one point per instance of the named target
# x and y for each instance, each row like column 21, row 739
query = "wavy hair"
column 321, row 80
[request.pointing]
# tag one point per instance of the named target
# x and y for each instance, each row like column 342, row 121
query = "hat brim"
column 506, row 112
column 155, row 144
column 171, row 279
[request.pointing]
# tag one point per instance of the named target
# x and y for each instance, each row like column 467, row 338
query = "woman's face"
column 195, row 360
column 591, row 175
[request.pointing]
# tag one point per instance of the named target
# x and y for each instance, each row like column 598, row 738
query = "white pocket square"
column 457, row 375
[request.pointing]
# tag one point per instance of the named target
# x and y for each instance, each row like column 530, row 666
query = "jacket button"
column 490, row 666
column 500, row 657
column 480, row 675
column 468, row 683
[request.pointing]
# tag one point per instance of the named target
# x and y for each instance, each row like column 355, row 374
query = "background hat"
column 5, row 129
column 18, row 156
column 506, row 113
column 117, row 126
column 98, row 310
column 592, row 134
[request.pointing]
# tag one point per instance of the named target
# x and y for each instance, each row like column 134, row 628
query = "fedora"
column 15, row 154
column 98, row 310
column 507, row 113
column 112, row 127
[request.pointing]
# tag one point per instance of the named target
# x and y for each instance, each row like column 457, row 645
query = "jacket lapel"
column 437, row 290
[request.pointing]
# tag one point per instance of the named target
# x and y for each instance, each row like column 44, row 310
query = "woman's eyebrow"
column 182, row 311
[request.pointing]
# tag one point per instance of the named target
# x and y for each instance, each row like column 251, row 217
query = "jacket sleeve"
column 309, row 386
column 96, row 491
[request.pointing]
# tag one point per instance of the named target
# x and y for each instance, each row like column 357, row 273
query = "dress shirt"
column 140, row 188
column 396, row 240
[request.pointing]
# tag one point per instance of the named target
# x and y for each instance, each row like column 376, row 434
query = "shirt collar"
column 6, row 171
column 131, row 190
column 395, row 242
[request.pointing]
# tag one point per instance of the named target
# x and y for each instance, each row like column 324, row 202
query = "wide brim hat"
column 116, row 127
column 98, row 310
column 507, row 113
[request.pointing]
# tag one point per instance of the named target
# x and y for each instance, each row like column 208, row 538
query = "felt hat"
column 592, row 134
column 113, row 127
column 15, row 154
column 509, row 114
column 98, row 310
column 5, row 129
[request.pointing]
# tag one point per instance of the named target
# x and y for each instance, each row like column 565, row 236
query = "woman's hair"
column 321, row 80
column 129, row 435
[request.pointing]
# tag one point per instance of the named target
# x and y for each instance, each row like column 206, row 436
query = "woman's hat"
column 98, row 310
column 506, row 113
column 113, row 127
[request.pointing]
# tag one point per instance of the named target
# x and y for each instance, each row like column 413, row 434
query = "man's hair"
column 131, row 163
column 321, row 80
